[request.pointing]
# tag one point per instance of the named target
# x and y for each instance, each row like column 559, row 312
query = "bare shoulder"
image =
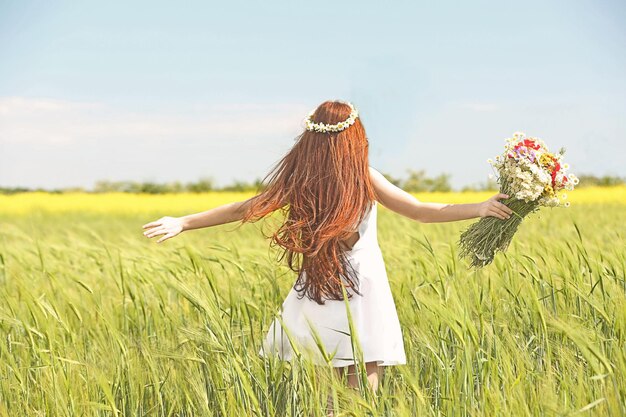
column 378, row 179
column 374, row 172
column 392, row 196
column 382, row 185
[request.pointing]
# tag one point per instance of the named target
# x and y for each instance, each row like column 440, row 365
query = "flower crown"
column 338, row 127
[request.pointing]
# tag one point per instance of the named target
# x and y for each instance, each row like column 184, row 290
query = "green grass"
column 97, row 320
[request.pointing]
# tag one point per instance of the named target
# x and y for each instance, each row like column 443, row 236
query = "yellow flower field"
column 140, row 203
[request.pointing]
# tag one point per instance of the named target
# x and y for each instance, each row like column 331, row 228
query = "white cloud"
column 12, row 106
column 59, row 122
column 480, row 107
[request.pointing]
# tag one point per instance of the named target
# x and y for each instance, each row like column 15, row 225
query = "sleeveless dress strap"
column 363, row 228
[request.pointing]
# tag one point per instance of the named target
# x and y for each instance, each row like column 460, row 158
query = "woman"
column 329, row 194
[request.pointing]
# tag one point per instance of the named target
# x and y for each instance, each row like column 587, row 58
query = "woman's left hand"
column 168, row 226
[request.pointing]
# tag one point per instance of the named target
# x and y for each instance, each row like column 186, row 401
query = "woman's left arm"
column 226, row 213
column 172, row 226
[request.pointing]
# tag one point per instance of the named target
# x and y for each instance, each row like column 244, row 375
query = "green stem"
column 485, row 237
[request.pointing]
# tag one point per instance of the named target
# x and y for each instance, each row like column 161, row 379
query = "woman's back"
column 357, row 231
column 373, row 313
column 326, row 181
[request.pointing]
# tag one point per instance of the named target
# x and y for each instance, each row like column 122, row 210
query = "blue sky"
column 163, row 91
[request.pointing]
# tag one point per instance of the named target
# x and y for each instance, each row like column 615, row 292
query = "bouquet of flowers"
column 532, row 177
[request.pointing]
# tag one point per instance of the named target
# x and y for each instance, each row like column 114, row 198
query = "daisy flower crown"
column 338, row 127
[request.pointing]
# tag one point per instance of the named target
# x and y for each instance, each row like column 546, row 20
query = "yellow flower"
column 545, row 159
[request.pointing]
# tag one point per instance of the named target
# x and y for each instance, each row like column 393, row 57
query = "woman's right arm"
column 398, row 200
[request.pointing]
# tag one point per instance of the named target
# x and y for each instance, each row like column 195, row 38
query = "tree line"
column 414, row 181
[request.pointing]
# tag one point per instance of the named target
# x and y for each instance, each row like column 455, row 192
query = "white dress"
column 373, row 314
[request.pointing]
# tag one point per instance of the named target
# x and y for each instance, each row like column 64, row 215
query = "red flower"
column 529, row 143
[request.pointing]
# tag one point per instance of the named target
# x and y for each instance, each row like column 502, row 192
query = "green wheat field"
column 97, row 320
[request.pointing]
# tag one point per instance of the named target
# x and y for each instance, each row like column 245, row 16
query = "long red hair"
column 323, row 183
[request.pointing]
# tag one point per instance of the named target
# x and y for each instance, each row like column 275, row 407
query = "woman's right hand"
column 492, row 207
column 168, row 226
